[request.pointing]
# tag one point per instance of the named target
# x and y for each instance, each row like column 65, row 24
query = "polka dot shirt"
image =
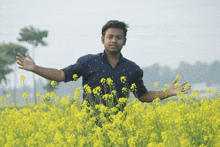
column 95, row 67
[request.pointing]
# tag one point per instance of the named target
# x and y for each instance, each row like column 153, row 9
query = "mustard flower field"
column 192, row 121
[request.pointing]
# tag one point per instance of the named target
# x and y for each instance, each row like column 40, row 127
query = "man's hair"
column 115, row 24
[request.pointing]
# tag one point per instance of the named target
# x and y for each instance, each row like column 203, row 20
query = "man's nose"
column 114, row 40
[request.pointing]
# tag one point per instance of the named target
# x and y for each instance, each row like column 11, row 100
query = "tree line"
column 194, row 73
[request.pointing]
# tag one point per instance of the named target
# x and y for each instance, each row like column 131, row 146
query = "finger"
column 28, row 57
column 184, row 83
column 19, row 63
column 22, row 68
column 21, row 56
column 187, row 88
column 19, row 59
column 174, row 82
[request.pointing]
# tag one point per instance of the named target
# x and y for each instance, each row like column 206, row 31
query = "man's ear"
column 102, row 39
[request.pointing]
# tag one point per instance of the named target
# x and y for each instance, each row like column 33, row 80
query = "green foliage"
column 7, row 57
column 33, row 36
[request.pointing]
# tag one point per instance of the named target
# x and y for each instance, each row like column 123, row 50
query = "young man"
column 109, row 64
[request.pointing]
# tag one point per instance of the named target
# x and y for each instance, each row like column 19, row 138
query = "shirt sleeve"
column 77, row 68
column 138, row 80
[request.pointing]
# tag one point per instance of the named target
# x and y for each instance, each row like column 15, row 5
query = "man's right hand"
column 26, row 64
column 48, row 73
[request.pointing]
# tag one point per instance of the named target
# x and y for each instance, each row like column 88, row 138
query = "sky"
column 164, row 32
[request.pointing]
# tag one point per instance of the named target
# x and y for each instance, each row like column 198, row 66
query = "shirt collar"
column 103, row 55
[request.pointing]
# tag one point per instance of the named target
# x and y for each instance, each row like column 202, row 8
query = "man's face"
column 113, row 40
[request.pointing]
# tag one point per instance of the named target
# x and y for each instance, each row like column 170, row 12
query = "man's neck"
column 113, row 56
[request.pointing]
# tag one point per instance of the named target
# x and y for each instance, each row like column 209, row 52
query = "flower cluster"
column 188, row 121
column 75, row 77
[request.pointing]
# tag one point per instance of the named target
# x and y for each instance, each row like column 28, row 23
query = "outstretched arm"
column 172, row 91
column 48, row 73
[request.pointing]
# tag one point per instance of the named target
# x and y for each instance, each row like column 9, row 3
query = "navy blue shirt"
column 95, row 67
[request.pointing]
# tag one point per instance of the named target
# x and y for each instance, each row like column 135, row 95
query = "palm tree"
column 33, row 37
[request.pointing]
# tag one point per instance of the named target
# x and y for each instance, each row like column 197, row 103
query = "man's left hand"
column 176, row 87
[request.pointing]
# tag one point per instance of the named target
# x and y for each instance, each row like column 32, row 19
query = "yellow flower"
column 216, row 92
column 186, row 88
column 105, row 97
column 38, row 94
column 209, row 91
column 206, row 138
column 122, row 100
column 114, row 92
column 188, row 83
column 8, row 96
column 177, row 85
column 179, row 93
column 22, row 78
column 52, row 94
column 124, row 89
column 178, row 76
column 165, row 89
column 166, row 85
column 97, row 90
column 25, row 94
column 47, row 95
column 53, row 83
column 123, row 79
column 196, row 94
column 75, row 77
column 102, row 81
column 133, row 87
column 110, row 96
column 109, row 81
column 157, row 99
column 2, row 98
column 77, row 93
column 87, row 89
column 64, row 101
column 155, row 85
column 69, row 96
column 57, row 98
